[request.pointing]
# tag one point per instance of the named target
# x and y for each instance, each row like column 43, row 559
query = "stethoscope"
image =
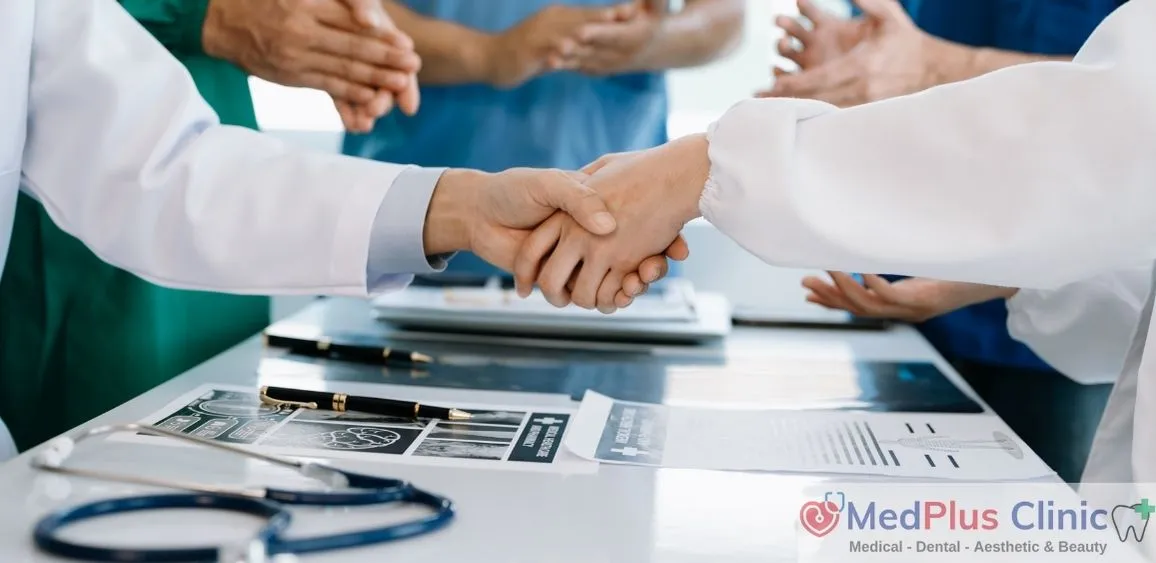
column 347, row 489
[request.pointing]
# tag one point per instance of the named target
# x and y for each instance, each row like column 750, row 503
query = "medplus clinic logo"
column 834, row 511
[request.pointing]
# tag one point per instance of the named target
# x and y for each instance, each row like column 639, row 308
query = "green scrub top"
column 78, row 336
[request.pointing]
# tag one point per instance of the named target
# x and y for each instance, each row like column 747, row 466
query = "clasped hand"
column 593, row 40
column 652, row 195
column 348, row 48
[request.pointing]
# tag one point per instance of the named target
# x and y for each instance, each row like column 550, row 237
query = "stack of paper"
column 674, row 311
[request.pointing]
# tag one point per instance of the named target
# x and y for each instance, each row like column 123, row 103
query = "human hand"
column 893, row 58
column 543, row 42
column 912, row 299
column 347, row 48
column 652, row 194
column 828, row 38
column 618, row 46
column 492, row 214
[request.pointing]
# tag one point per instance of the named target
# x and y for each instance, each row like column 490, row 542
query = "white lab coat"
column 1034, row 176
column 108, row 131
column 1083, row 329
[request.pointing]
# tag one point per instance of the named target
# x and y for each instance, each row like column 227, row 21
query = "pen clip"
column 267, row 400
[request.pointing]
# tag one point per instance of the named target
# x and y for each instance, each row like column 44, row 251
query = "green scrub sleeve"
column 177, row 24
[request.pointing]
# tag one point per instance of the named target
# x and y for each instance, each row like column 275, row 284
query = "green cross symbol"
column 1144, row 509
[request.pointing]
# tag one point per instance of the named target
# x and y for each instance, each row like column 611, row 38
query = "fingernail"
column 604, row 221
column 374, row 19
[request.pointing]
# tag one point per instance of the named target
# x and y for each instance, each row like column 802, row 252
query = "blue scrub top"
column 1051, row 27
column 559, row 120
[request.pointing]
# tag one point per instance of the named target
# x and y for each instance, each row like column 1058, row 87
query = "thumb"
column 886, row 11
column 370, row 13
column 563, row 191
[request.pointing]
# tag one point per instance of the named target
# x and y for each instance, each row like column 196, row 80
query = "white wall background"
column 697, row 97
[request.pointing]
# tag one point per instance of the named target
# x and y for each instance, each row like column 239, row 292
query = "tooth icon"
column 1131, row 520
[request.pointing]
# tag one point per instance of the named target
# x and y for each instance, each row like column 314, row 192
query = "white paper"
column 674, row 304
column 499, row 437
column 938, row 446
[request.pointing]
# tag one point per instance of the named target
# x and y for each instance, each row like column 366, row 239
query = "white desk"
column 619, row 514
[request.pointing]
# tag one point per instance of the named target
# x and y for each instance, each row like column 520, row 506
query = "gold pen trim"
column 267, row 400
column 323, row 344
column 339, row 400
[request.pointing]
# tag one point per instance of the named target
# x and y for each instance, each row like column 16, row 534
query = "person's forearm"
column 451, row 53
column 955, row 62
column 702, row 32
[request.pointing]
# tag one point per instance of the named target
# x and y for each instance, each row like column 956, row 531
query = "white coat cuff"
column 756, row 131
column 397, row 248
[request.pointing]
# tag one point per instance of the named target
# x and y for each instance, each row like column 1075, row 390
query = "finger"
column 884, row 10
column 585, row 291
column 622, row 300
column 788, row 51
column 678, row 250
column 561, row 191
column 409, row 99
column 833, row 297
column 625, row 11
column 381, row 105
column 365, row 49
column 632, row 285
column 600, row 163
column 857, row 294
column 558, row 268
column 823, row 302
column 883, row 288
column 533, row 251
column 653, row 269
column 794, row 28
column 814, row 82
column 337, row 87
column 811, row 11
column 370, row 13
column 607, row 291
column 349, row 118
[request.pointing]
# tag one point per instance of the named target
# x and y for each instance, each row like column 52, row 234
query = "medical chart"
column 917, row 445
column 526, row 438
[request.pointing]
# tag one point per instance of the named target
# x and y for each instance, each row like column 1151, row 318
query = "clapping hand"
column 347, row 48
column 546, row 41
column 846, row 63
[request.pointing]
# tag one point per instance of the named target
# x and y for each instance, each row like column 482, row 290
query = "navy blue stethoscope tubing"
column 45, row 535
column 372, row 490
column 444, row 513
column 278, row 520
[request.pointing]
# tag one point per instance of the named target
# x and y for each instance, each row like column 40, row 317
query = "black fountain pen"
column 341, row 402
column 327, row 348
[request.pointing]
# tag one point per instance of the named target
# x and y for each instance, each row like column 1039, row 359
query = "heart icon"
column 819, row 517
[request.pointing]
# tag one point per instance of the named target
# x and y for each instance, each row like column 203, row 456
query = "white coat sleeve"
column 1083, row 329
column 125, row 154
column 1032, row 176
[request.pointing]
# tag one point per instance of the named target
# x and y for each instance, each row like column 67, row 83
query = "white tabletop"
column 620, row 513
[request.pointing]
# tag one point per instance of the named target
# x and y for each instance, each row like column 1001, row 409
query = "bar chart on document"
column 917, row 445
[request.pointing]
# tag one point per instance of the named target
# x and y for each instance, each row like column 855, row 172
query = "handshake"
column 595, row 238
